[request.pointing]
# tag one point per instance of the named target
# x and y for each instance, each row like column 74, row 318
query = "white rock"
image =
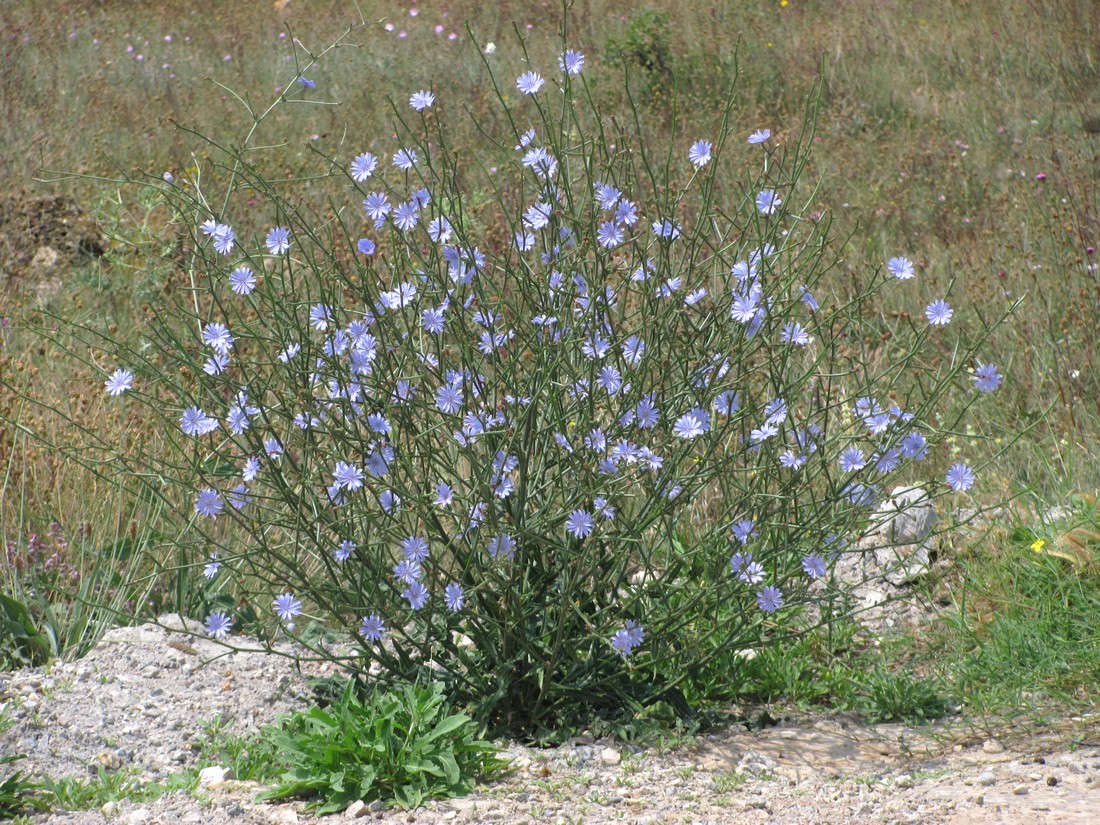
column 907, row 516
column 282, row 816
column 610, row 756
column 214, row 775
column 905, row 563
column 756, row 764
column 356, row 809
column 992, row 746
column 139, row 817
column 462, row 806
column 462, row 641
column 174, row 621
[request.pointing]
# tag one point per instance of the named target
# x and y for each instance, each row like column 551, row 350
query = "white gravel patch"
column 141, row 700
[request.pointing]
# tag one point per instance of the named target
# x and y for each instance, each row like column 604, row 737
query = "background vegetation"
column 963, row 135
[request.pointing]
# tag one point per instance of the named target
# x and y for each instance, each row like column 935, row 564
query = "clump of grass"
column 1022, row 634
column 251, row 757
column 76, row 794
column 18, row 795
column 404, row 747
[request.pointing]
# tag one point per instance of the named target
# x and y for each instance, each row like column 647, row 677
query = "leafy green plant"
column 18, row 795
column 252, row 758
column 22, row 644
column 646, row 46
column 70, row 793
column 893, row 696
column 404, row 747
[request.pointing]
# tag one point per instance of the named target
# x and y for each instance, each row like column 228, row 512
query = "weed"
column 251, row 758
column 75, row 794
column 900, row 697
column 403, row 747
column 18, row 794
column 727, row 781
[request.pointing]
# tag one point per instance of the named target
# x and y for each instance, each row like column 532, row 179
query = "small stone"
column 610, row 756
column 1052, row 781
column 139, row 817
column 992, row 746
column 214, row 775
column 1021, row 790
column 282, row 816
column 462, row 805
column 978, row 799
column 109, row 809
column 106, row 759
column 356, row 809
column 986, row 779
column 904, row 781
column 376, row 805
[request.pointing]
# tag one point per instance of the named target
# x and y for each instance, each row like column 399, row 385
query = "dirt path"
column 140, row 701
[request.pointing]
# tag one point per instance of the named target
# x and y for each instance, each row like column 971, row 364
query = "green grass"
column 1023, row 634
column 1016, row 640
column 73, row 794
column 252, row 758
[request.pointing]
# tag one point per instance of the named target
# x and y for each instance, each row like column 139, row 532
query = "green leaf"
column 451, row 723
column 397, row 746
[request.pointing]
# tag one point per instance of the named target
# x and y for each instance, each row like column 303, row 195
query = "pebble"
column 1021, row 790
column 986, row 779
column 282, row 816
column 214, row 775
column 610, row 756
column 356, row 809
column 992, row 746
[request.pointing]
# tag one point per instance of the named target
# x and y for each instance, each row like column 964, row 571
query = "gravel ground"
column 142, row 698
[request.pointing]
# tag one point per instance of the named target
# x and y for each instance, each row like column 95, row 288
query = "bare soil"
column 140, row 702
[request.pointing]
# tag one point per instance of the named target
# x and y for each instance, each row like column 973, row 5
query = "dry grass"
column 935, row 122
